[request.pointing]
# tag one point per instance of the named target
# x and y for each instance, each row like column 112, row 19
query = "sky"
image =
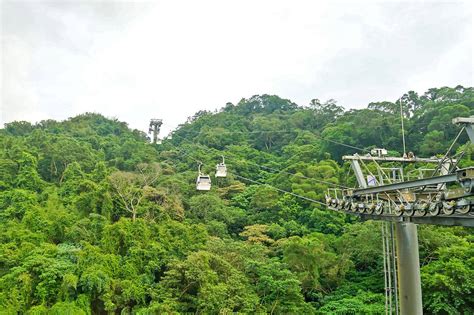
column 136, row 60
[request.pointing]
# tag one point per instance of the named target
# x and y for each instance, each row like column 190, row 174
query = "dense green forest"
column 94, row 219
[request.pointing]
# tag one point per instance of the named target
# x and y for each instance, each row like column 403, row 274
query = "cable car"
column 203, row 182
column 221, row 169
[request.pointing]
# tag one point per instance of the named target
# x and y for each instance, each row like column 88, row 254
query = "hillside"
column 95, row 219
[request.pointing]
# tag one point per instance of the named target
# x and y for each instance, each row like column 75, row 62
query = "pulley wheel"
column 347, row 205
column 370, row 208
column 464, row 209
column 379, row 208
column 409, row 211
column 421, row 209
column 435, row 207
column 341, row 204
column 448, row 208
column 353, row 207
column 399, row 209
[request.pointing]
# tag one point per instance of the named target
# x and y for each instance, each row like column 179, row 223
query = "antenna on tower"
column 403, row 129
column 154, row 128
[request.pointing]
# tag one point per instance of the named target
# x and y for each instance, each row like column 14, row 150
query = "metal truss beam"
column 390, row 159
column 466, row 221
column 443, row 179
column 468, row 123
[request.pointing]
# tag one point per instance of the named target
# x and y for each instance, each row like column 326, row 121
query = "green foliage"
column 363, row 242
column 206, row 283
column 315, row 263
column 27, row 177
column 95, row 219
column 449, row 281
column 363, row 303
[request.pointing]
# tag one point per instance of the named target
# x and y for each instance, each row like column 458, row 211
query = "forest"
column 95, row 219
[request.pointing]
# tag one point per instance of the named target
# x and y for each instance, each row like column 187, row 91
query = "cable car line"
column 366, row 202
column 280, row 190
column 200, row 132
column 203, row 182
column 299, row 175
column 207, row 179
column 446, row 155
column 273, row 169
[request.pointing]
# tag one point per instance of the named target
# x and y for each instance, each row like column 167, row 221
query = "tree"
column 318, row 267
column 28, row 177
column 206, row 283
column 257, row 234
column 131, row 187
column 94, row 219
column 325, row 113
column 449, row 281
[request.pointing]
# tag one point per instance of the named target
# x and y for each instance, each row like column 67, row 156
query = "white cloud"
column 18, row 91
column 169, row 59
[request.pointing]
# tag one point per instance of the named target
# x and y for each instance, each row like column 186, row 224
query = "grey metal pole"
column 408, row 269
column 385, row 271
column 389, row 270
column 358, row 173
column 395, row 271
column 468, row 123
column 470, row 132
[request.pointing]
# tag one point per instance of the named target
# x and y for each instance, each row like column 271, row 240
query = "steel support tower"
column 155, row 125
column 428, row 200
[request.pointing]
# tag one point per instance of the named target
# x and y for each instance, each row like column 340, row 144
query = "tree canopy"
column 96, row 219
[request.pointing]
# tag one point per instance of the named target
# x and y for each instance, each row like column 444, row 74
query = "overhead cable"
column 280, row 190
column 288, row 131
column 297, row 175
column 234, row 158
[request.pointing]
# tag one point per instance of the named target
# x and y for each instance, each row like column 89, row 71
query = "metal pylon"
column 401, row 262
column 390, row 269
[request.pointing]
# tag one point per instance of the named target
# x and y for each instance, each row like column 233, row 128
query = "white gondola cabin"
column 221, row 169
column 203, row 182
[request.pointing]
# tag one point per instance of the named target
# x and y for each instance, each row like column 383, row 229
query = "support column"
column 468, row 123
column 359, row 174
column 470, row 130
column 408, row 269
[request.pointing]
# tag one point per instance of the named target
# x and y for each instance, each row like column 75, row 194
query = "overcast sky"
column 169, row 59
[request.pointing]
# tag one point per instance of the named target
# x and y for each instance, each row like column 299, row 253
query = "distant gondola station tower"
column 154, row 128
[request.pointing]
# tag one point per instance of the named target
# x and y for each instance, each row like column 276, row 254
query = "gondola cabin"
column 203, row 182
column 221, row 170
